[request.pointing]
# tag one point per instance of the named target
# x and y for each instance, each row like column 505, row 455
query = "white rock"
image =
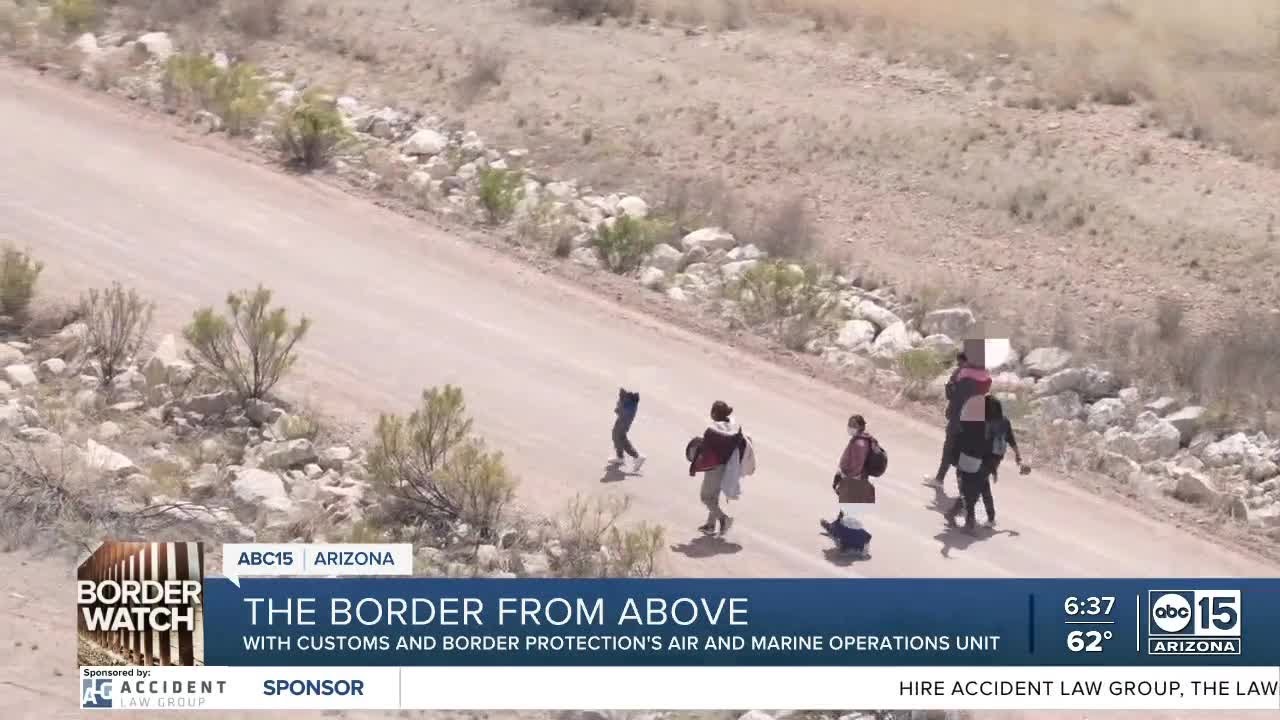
column 1259, row 469
column 708, row 239
column 347, row 105
column 38, row 436
column 652, row 278
column 665, row 258
column 633, row 206
column 1267, row 516
column 1194, row 487
column 1064, row 406
column 53, row 367
column 20, row 375
column 9, row 355
column 1121, row 442
column 1188, row 420
column 426, row 142
column 284, row 455
column 334, row 458
column 87, row 43
column 894, row 340
column 535, row 564
column 954, row 322
column 103, row 459
column 1129, row 396
column 1118, row 466
column 1230, row 450
column 876, row 314
column 108, row 430
column 1163, row 405
column 468, row 171
column 1105, row 413
column 677, row 294
column 1160, row 440
column 262, row 489
column 157, row 44
column 211, row 404
column 747, row 252
column 940, row 344
column 1099, row 384
column 561, row 190
column 856, row 335
column 488, row 557
column 734, row 270
column 586, row 256
column 5, row 389
column 1046, row 361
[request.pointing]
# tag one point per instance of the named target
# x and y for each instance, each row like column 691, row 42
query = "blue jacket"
column 628, row 405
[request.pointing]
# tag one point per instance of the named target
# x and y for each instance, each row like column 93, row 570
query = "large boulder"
column 877, row 315
column 1258, row 468
column 156, row 45
column 261, row 489
column 284, row 455
column 954, row 322
column 1230, row 450
column 20, row 375
column 1064, row 406
column 102, row 459
column 9, row 355
column 1121, row 442
column 1158, row 440
column 652, row 278
column 166, row 366
column 735, row 270
column 856, row 335
column 633, row 206
column 1163, row 405
column 1045, row 361
column 709, row 239
column 210, row 405
column 1188, row 420
column 1105, row 413
column 893, row 341
column 1193, row 487
column 1118, row 466
column 425, row 142
column 665, row 258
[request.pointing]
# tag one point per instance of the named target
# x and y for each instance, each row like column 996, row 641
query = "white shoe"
column 637, row 463
column 614, row 461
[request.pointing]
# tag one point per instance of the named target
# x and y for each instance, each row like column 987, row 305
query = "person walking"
column 947, row 461
column 854, row 492
column 1002, row 440
column 972, row 442
column 625, row 411
column 718, row 455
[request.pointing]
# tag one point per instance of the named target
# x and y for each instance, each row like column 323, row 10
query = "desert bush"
column 438, row 471
column 919, row 367
column 486, row 64
column 188, row 80
column 250, row 348
column 547, row 225
column 18, row 275
column 312, row 132
column 587, row 9
column 257, row 18
column 593, row 544
column 117, row 322
column 784, row 230
column 75, row 16
column 624, row 244
column 794, row 301
column 239, row 97
column 500, row 190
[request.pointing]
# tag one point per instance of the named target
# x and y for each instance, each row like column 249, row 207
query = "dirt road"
column 397, row 307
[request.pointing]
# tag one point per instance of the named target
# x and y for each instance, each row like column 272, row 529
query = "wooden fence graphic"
column 148, row 561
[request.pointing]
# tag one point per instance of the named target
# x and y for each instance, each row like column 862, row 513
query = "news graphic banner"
column 391, row 642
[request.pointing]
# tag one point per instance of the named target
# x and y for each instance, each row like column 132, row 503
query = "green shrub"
column 312, row 131
column 794, row 301
column 919, row 367
column 188, row 80
column 117, row 324
column 18, row 275
column 437, row 470
column 593, row 544
column 239, row 97
column 250, row 348
column 500, row 190
column 75, row 16
column 626, row 244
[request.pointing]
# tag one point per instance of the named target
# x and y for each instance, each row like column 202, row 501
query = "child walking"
column 626, row 408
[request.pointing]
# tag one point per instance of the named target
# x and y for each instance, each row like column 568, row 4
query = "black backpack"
column 877, row 459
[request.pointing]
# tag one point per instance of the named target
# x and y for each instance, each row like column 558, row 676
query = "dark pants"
column 972, row 487
column 621, row 443
column 948, row 456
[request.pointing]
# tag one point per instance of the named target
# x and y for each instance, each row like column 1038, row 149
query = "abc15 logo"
column 1194, row 613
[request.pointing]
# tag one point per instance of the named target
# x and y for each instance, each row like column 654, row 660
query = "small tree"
column 118, row 322
column 18, row 275
column 500, row 190
column 432, row 463
column 312, row 132
column 250, row 348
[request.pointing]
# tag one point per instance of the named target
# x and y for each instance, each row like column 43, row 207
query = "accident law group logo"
column 1194, row 622
column 95, row 693
column 141, row 603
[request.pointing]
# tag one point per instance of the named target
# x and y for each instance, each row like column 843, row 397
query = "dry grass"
column 485, row 65
column 257, row 18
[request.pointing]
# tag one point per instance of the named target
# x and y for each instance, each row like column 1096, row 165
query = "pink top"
column 855, row 456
